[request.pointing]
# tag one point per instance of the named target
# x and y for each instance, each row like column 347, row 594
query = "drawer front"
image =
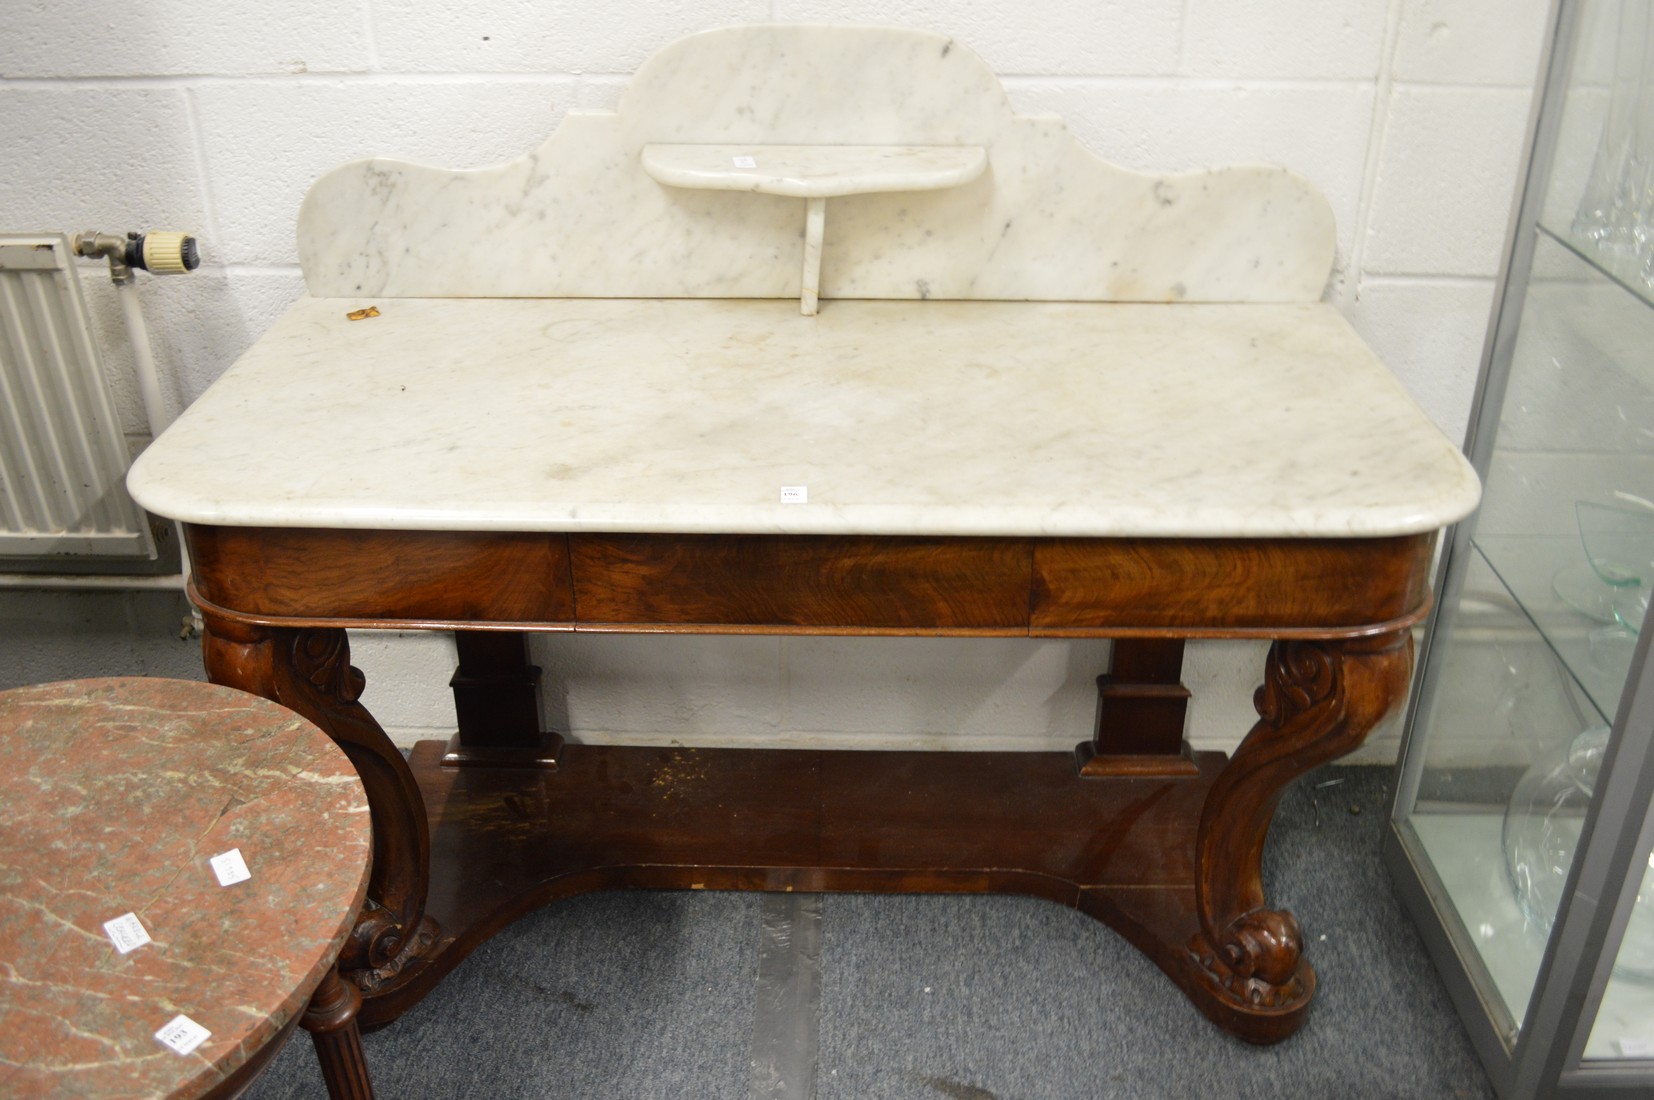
column 387, row 577
column 1093, row 586
column 803, row 583
column 813, row 584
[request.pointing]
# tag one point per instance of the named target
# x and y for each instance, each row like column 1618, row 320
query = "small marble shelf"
column 814, row 173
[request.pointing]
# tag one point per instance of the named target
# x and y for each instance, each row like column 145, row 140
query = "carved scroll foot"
column 1255, row 968
column 1319, row 700
column 377, row 926
column 309, row 671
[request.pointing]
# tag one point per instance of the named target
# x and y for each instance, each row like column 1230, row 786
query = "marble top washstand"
column 814, row 334
column 114, row 796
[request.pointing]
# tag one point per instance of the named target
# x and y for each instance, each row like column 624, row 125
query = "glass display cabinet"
column 1521, row 832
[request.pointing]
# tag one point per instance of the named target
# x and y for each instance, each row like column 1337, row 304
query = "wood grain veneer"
column 1100, row 586
column 383, row 576
column 813, row 584
column 822, row 582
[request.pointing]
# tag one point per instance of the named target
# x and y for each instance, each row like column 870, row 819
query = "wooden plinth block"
column 497, row 704
column 1095, row 765
column 546, row 753
column 1141, row 707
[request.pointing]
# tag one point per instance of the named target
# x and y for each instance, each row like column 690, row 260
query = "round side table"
column 115, row 798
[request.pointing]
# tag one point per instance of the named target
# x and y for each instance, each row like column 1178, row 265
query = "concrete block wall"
column 214, row 118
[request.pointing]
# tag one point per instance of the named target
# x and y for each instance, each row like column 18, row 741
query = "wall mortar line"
column 209, row 199
column 1350, row 290
column 369, row 40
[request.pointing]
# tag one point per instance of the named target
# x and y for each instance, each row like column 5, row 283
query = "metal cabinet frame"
column 1546, row 1056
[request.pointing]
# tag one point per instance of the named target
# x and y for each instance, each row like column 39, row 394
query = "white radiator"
column 63, row 459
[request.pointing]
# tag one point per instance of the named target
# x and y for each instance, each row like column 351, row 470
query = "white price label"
column 1636, row 1048
column 230, row 867
column 126, row 932
column 795, row 494
column 745, row 162
column 182, row 1034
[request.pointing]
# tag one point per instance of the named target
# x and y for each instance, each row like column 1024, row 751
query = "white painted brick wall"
column 1441, row 202
column 1409, row 114
column 98, row 38
column 1285, row 39
column 1430, row 333
column 258, row 174
column 1034, row 37
column 1469, row 42
column 1318, row 131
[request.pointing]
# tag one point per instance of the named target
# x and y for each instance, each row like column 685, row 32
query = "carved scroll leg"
column 309, row 672
column 331, row 1021
column 1319, row 701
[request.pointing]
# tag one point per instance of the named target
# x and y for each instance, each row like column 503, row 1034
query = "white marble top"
column 898, row 417
column 814, row 171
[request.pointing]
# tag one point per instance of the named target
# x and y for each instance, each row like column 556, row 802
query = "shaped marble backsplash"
column 1047, row 219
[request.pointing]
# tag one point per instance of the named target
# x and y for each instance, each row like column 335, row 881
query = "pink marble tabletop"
column 114, row 796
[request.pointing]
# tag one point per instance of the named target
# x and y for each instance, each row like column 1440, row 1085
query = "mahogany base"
column 507, row 841
column 1163, row 845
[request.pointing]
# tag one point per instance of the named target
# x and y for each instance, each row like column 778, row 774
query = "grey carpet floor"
column 652, row 995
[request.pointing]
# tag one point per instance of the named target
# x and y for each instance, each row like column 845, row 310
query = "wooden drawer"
column 1093, row 586
column 851, row 583
column 389, row 577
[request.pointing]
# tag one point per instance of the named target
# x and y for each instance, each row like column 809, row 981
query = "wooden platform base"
column 506, row 841
column 1165, row 847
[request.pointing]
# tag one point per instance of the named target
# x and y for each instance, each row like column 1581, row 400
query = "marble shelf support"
column 815, row 226
column 814, row 173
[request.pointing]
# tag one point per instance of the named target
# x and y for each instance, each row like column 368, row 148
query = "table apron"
column 815, row 584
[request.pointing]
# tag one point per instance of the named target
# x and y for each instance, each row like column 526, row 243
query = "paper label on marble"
column 126, row 932
column 1046, row 220
column 230, row 868
column 182, row 1034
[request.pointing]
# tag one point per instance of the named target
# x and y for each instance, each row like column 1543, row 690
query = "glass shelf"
column 1577, row 425
column 1595, row 654
column 1582, row 372
column 1626, row 276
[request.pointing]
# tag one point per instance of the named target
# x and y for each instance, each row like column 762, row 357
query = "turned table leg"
column 308, row 671
column 331, row 1021
column 1319, row 700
